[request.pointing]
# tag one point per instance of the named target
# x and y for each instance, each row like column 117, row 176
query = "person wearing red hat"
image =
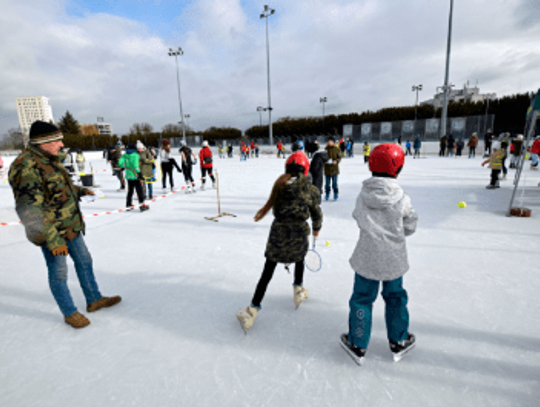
column 293, row 200
column 385, row 217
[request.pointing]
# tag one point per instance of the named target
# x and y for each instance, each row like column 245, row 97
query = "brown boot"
column 77, row 320
column 104, row 302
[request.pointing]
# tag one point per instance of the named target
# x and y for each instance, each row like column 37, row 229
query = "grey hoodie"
column 385, row 216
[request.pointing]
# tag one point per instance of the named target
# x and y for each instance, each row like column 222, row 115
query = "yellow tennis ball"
column 328, row 243
column 462, row 204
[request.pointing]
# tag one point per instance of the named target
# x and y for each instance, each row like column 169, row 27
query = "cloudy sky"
column 108, row 58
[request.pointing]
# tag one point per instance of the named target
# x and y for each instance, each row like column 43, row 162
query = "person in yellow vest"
column 367, row 149
column 495, row 163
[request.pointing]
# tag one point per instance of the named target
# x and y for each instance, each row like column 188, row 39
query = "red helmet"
column 299, row 158
column 387, row 159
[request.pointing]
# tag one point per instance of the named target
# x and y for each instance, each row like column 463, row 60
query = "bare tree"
column 12, row 140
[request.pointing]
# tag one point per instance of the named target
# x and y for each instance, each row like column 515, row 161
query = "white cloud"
column 360, row 54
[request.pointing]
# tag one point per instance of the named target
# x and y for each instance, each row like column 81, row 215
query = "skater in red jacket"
column 207, row 165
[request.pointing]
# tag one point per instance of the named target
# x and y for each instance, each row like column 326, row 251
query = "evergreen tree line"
column 509, row 114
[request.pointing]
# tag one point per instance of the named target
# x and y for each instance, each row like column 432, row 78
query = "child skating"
column 385, row 217
column 293, row 200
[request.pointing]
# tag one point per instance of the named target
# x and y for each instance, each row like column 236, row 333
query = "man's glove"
column 89, row 192
column 61, row 251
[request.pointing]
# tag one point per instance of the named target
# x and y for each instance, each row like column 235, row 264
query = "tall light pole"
column 187, row 116
column 267, row 12
column 323, row 100
column 446, row 87
column 417, row 89
column 260, row 109
column 175, row 55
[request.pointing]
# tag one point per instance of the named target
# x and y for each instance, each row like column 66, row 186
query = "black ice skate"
column 357, row 354
column 400, row 349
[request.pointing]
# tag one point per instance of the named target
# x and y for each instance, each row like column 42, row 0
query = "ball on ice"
column 462, row 204
column 328, row 243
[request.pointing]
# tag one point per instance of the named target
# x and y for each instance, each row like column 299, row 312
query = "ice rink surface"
column 473, row 287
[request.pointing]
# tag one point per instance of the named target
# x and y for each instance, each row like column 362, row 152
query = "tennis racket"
column 313, row 259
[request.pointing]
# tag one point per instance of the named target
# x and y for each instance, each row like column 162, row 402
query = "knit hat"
column 43, row 132
column 165, row 142
column 140, row 145
column 331, row 139
column 205, row 143
column 132, row 146
column 496, row 145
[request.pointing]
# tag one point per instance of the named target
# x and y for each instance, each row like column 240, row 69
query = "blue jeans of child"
column 58, row 272
column 332, row 179
column 534, row 159
column 361, row 307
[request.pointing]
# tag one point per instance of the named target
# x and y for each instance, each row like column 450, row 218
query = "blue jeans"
column 332, row 179
column 150, row 187
column 534, row 159
column 361, row 306
column 58, row 272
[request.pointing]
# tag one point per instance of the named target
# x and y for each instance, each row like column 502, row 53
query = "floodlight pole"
column 446, row 77
column 323, row 100
column 175, row 55
column 417, row 89
column 267, row 12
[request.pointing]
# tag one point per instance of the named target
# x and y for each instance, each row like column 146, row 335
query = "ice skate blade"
column 398, row 356
column 357, row 360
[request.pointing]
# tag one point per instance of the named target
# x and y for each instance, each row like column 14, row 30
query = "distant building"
column 30, row 109
column 105, row 129
column 467, row 94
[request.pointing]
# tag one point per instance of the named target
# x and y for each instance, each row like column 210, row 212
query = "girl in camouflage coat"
column 293, row 200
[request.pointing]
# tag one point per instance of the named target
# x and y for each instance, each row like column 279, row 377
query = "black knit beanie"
column 43, row 132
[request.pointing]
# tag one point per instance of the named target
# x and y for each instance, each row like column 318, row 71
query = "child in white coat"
column 385, row 216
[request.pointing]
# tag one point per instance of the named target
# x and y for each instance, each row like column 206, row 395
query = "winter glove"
column 60, row 251
column 89, row 192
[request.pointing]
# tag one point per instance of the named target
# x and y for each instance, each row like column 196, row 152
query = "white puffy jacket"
column 385, row 216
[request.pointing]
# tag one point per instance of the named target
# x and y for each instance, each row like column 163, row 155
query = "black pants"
column 504, row 169
column 408, row 152
column 494, row 177
column 166, row 169
column 442, row 151
column 266, row 276
column 366, row 159
column 472, row 151
column 208, row 171
column 417, row 152
column 188, row 170
column 134, row 184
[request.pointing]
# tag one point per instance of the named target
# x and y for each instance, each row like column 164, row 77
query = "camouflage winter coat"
column 289, row 235
column 46, row 200
column 334, row 154
column 146, row 164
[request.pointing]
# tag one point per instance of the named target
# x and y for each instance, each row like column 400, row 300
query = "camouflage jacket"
column 46, row 200
column 289, row 235
column 334, row 154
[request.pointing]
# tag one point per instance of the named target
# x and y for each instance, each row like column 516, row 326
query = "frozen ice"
column 174, row 340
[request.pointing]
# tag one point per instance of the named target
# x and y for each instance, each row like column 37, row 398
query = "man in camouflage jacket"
column 331, row 168
column 47, row 203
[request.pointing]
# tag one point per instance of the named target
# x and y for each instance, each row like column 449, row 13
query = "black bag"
column 207, row 160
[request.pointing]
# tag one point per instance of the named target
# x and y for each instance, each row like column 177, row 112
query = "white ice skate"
column 247, row 317
column 203, row 187
column 300, row 294
column 214, row 185
column 193, row 188
column 187, row 189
